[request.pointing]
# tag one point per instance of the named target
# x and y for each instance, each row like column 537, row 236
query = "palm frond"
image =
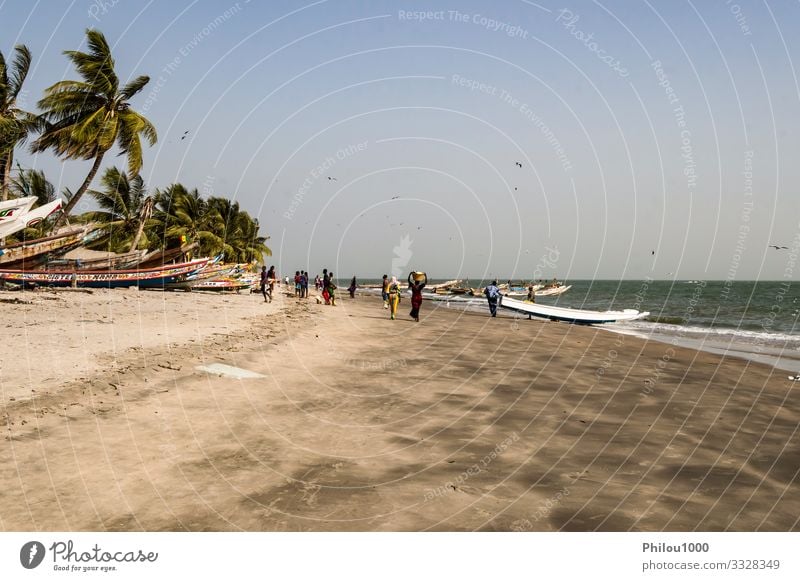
column 19, row 70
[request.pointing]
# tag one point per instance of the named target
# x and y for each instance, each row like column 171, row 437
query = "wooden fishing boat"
column 31, row 253
column 553, row 291
column 223, row 285
column 142, row 278
column 85, row 259
column 580, row 316
column 212, row 271
column 161, row 257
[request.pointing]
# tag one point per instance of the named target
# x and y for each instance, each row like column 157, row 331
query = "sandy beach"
column 350, row 421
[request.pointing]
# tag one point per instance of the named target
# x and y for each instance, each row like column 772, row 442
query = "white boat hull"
column 570, row 315
column 16, row 215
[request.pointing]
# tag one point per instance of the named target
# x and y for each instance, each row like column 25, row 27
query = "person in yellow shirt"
column 394, row 297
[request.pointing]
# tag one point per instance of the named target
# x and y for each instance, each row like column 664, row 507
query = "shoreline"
column 350, row 421
column 707, row 340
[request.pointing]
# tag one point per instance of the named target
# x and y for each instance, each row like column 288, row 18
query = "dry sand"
column 460, row 422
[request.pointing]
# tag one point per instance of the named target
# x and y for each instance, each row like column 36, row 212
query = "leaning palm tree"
column 123, row 206
column 84, row 119
column 15, row 124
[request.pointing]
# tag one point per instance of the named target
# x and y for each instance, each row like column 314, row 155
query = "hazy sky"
column 661, row 126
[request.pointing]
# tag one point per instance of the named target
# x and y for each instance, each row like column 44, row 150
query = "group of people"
column 390, row 291
column 301, row 284
column 323, row 284
column 391, row 294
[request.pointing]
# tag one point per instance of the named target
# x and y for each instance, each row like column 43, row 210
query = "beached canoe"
column 31, row 253
column 581, row 316
column 223, row 285
column 142, row 278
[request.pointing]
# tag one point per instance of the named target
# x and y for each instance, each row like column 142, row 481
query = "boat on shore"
column 143, row 278
column 32, row 253
column 223, row 285
column 580, row 316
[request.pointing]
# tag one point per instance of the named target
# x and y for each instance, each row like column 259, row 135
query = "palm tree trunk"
column 84, row 186
column 5, row 185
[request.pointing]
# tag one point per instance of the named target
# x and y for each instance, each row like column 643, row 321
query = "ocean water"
column 757, row 320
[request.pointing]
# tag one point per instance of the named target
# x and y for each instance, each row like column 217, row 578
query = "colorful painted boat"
column 569, row 315
column 142, row 278
column 223, row 285
column 209, row 273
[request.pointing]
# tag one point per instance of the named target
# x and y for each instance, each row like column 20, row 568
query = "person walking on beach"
column 492, row 295
column 331, row 290
column 264, row 284
column 271, row 281
column 297, row 283
column 416, row 287
column 325, row 280
column 385, row 291
column 394, row 297
column 352, row 288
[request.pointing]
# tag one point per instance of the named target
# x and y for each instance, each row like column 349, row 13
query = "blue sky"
column 666, row 127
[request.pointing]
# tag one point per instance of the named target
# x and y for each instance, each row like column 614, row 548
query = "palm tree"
column 15, row 124
column 123, row 211
column 183, row 216
column 84, row 119
column 33, row 182
column 246, row 245
column 239, row 232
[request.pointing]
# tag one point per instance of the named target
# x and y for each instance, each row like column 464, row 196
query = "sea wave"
column 647, row 328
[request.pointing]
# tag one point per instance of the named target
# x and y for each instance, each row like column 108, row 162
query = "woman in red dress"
column 416, row 294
